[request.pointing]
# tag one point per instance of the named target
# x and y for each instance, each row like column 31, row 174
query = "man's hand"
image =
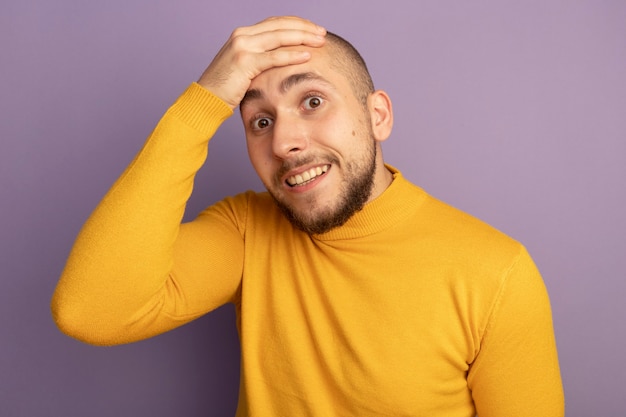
column 253, row 49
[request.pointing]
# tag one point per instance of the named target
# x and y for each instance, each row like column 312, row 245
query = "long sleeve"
column 517, row 372
column 120, row 282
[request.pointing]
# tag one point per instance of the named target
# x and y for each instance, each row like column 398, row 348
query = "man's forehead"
column 318, row 70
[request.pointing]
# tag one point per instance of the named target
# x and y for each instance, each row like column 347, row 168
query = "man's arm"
column 129, row 271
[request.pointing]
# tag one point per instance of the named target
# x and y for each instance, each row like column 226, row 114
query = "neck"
column 382, row 178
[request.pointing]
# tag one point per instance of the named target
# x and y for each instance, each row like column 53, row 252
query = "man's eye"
column 261, row 123
column 313, row 102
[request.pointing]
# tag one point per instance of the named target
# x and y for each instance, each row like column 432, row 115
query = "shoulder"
column 453, row 221
column 459, row 237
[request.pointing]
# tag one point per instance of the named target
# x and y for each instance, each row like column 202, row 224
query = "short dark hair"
column 350, row 62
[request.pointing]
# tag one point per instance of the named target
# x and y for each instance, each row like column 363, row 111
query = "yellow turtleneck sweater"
column 412, row 308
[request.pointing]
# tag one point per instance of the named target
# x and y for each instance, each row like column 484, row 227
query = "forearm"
column 123, row 255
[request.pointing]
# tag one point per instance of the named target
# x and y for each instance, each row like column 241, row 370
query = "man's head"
column 348, row 61
column 313, row 132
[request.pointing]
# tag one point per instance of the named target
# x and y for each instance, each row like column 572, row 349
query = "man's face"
column 310, row 141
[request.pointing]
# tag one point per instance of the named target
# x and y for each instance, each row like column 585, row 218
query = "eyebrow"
column 285, row 85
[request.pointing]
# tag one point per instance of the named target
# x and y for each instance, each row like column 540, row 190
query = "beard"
column 354, row 192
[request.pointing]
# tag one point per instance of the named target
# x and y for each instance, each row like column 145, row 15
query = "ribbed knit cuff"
column 201, row 109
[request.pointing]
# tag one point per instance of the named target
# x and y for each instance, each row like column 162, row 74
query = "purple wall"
column 512, row 111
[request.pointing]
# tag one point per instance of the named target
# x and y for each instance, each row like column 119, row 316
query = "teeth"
column 307, row 175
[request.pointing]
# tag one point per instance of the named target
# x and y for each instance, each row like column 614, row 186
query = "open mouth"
column 307, row 176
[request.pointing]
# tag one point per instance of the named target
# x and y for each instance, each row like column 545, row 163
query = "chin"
column 322, row 219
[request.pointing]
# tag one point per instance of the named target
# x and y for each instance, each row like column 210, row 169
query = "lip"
column 308, row 185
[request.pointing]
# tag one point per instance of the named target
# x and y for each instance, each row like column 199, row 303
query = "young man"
column 356, row 292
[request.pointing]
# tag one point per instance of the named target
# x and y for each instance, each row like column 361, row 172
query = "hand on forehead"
column 250, row 50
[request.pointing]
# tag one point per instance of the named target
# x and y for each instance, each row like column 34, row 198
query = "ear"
column 381, row 114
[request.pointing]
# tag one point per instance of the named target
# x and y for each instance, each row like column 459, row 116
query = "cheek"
column 260, row 159
column 336, row 129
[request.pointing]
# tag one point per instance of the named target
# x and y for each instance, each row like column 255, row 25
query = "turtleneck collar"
column 394, row 205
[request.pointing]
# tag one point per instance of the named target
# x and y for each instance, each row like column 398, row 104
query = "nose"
column 290, row 136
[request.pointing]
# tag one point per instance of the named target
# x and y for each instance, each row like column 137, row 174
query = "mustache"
column 295, row 163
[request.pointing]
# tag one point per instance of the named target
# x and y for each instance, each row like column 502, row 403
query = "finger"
column 278, row 23
column 280, row 58
column 269, row 41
